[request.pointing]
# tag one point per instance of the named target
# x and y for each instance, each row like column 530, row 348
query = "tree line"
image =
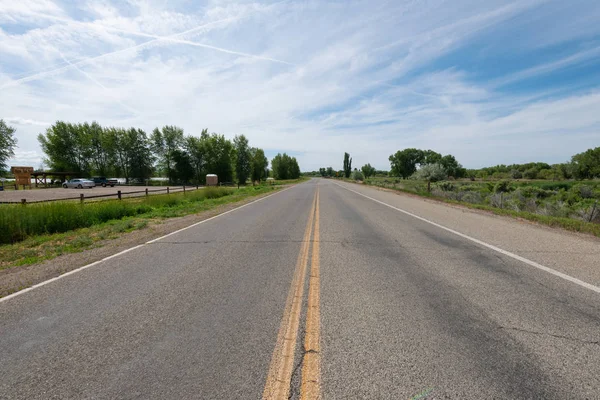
column 432, row 166
column 585, row 165
column 90, row 149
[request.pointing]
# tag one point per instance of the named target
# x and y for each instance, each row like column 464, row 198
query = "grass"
column 36, row 247
column 545, row 193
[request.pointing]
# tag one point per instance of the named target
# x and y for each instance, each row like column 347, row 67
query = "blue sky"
column 488, row 81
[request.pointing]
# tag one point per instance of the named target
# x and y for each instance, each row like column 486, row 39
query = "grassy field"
column 573, row 205
column 38, row 232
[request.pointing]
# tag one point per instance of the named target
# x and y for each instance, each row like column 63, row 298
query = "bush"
column 531, row 173
column 431, row 173
column 584, row 191
column 357, row 175
column 516, row 174
column 445, row 186
column 502, row 187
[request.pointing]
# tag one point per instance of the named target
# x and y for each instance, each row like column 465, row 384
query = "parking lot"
column 48, row 194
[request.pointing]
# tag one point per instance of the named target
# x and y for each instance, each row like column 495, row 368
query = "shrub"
column 445, row 186
column 502, row 187
column 431, row 173
column 584, row 191
column 516, row 174
column 531, row 173
column 357, row 175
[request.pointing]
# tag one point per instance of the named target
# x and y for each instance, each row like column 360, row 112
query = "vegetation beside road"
column 74, row 233
column 572, row 205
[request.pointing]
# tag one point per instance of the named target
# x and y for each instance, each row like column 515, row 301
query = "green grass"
column 541, row 193
column 36, row 247
column 18, row 222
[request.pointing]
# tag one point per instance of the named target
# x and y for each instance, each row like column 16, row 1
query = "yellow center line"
column 311, row 367
column 277, row 386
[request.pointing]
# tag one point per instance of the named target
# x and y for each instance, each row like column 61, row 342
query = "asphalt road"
column 316, row 291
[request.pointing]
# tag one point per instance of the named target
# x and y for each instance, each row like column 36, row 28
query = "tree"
column 347, row 165
column 431, row 173
column 164, row 144
column 330, row 171
column 404, row 162
column 259, row 165
column 367, row 170
column 139, row 154
column 183, row 171
column 243, row 165
column 130, row 152
column 452, row 167
column 431, row 157
column 67, row 148
column 586, row 165
column 219, row 156
column 196, row 150
column 285, row 167
column 8, row 142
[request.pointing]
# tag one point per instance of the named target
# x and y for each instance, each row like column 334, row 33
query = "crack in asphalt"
column 597, row 342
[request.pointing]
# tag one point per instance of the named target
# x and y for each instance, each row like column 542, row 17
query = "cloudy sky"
column 488, row 81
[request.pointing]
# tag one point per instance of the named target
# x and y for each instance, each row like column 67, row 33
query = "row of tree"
column 584, row 165
column 90, row 149
column 404, row 163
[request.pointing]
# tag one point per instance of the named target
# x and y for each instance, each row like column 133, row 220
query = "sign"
column 22, row 175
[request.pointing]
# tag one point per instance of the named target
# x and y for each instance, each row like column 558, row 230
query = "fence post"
column 81, row 198
column 119, row 194
column 196, row 186
column 23, row 201
column 167, row 190
column 183, row 189
column 146, row 192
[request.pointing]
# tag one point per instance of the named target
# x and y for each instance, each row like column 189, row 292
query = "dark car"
column 102, row 181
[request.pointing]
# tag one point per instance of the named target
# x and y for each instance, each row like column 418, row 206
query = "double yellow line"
column 279, row 378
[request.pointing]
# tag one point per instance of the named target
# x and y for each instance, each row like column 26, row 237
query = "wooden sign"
column 22, row 175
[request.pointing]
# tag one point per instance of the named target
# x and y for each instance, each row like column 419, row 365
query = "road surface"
column 324, row 290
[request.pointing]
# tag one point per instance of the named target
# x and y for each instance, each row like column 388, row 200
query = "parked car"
column 79, row 184
column 103, row 181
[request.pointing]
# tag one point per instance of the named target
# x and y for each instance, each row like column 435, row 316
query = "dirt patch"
column 17, row 278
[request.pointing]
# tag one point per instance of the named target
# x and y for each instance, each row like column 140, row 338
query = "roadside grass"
column 35, row 248
column 555, row 192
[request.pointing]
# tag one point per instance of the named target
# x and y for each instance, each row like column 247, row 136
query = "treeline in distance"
column 90, row 149
column 430, row 165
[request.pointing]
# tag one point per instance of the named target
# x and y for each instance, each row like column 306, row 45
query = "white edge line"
column 489, row 246
column 13, row 295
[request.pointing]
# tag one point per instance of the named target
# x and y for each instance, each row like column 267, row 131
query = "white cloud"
column 314, row 79
column 24, row 121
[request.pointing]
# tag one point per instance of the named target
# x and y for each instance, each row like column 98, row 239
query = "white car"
column 79, row 184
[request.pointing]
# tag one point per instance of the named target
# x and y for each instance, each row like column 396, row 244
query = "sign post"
column 22, row 176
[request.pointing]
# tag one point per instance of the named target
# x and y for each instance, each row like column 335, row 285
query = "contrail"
column 155, row 39
column 91, row 78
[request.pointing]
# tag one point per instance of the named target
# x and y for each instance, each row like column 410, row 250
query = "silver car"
column 79, row 184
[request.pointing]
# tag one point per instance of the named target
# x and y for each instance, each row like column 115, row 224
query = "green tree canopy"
column 243, row 165
column 367, row 170
column 347, row 165
column 404, row 162
column 165, row 143
column 586, row 165
column 259, row 164
column 8, row 142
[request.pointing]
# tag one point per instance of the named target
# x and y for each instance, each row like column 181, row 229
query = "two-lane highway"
column 318, row 291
